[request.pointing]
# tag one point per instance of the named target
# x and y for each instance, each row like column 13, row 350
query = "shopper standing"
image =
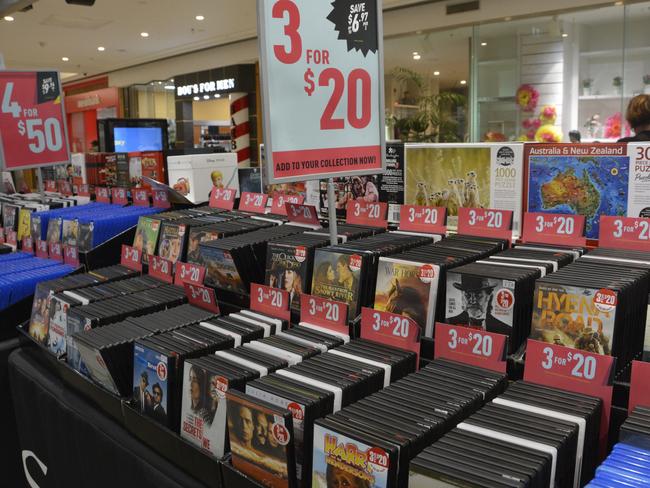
column 638, row 116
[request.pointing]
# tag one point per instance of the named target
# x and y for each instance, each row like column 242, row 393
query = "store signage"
column 102, row 194
column 202, row 297
column 189, row 273
column 160, row 199
column 280, row 199
column 573, row 370
column 41, row 249
column 470, row 346
column 303, row 214
column 32, row 120
column 12, row 238
column 27, row 245
column 65, row 187
column 271, row 301
column 140, row 197
column 71, row 255
column 557, row 229
column 227, row 84
column 84, row 190
column 223, row 198
column 373, row 214
column 624, row 233
column 50, row 185
column 131, row 258
column 162, row 269
column 56, row 251
column 390, row 329
column 322, row 88
column 419, row 218
column 119, row 196
column 639, row 391
column 253, row 202
column 324, row 313
column 487, row 222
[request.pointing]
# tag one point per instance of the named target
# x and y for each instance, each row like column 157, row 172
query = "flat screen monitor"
column 132, row 139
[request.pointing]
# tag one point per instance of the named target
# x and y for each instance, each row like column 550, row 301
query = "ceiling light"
column 170, row 87
column 199, row 17
column 144, row 34
column 9, row 18
column 508, row 19
column 484, row 44
column 197, row 98
column 206, row 97
column 417, row 57
column 463, row 82
column 565, row 34
column 65, row 58
column 436, row 73
column 160, row 82
column 101, row 48
column 618, row 4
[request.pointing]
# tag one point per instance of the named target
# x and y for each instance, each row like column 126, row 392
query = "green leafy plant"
column 617, row 81
column 586, row 83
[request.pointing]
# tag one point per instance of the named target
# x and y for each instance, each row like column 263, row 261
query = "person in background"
column 574, row 136
column 638, row 116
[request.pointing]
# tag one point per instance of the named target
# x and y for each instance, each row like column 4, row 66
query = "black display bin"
column 107, row 253
column 233, row 478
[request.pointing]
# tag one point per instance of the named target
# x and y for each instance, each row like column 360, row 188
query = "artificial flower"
column 548, row 133
column 531, row 123
column 527, row 98
column 613, row 126
column 548, row 115
column 494, row 137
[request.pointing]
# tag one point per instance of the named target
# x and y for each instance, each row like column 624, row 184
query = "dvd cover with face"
column 337, row 276
column 146, row 236
column 54, row 230
column 196, row 237
column 150, row 374
column 9, row 216
column 221, row 270
column 40, row 317
column 286, row 268
column 24, row 217
column 70, row 232
column 171, row 243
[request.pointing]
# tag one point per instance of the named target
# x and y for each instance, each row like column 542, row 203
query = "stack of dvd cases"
column 635, row 431
column 627, row 465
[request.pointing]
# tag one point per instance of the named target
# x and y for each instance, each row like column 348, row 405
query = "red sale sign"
column 280, row 199
column 486, row 222
column 223, row 198
column 41, row 249
column 140, row 197
column 202, row 297
column 189, row 273
column 50, row 185
column 102, row 194
column 573, row 370
column 418, row 218
column 639, row 387
column 27, row 245
column 302, row 214
column 270, row 301
column 160, row 199
column 390, row 329
column 624, row 233
column 56, row 251
column 131, row 258
column 32, row 120
column 65, row 188
column 119, row 196
column 543, row 228
column 12, row 238
column 253, row 202
column 373, row 214
column 470, row 346
column 71, row 255
column 84, row 190
column 161, row 269
column 324, row 313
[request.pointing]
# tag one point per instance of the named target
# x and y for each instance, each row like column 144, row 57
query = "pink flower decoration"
column 527, row 98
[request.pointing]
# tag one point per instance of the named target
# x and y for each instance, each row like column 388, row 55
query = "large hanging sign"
column 33, row 131
column 322, row 87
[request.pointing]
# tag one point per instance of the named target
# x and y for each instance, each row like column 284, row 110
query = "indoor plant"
column 586, row 86
column 618, row 84
column 646, row 84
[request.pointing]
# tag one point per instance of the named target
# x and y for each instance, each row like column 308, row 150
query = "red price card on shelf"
column 373, row 214
column 2, row 235
column 487, row 222
column 160, row 199
column 624, row 233
column 32, row 120
column 223, row 198
column 253, row 202
column 573, row 370
column 71, row 255
column 390, row 329
column 56, row 251
column 271, row 301
column 470, row 346
column 140, row 197
column 189, row 273
column 202, row 297
column 84, row 190
column 65, row 187
column 302, row 214
column 324, row 313
column 102, row 194
column 41, row 249
column 27, row 245
column 131, row 258
column 160, row 268
column 639, row 385
column 119, row 196
column 50, row 185
column 418, row 218
column 544, row 228
column 11, row 238
column 280, row 200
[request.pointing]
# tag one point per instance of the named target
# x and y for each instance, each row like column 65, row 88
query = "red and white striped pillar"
column 240, row 128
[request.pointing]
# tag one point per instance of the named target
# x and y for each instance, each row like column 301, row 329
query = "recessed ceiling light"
column 565, row 34
column 170, row 87
column 463, row 82
column 160, row 82
column 65, row 58
column 436, row 73
column 9, row 18
column 414, row 53
column 417, row 57
column 197, row 98
column 206, row 97
column 484, row 44
column 144, row 34
column 101, row 48
column 217, row 95
column 618, row 4
column 199, row 17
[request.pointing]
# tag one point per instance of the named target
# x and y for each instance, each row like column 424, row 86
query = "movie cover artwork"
column 260, row 441
column 286, row 268
column 572, row 317
column 9, row 216
column 24, row 218
column 480, row 302
column 70, row 232
column 58, row 324
column 221, row 270
column 361, row 188
column 146, row 236
column 342, row 461
column 150, row 369
column 337, row 277
column 40, row 317
column 54, row 230
column 172, row 241
column 85, row 240
column 197, row 236
column 35, row 225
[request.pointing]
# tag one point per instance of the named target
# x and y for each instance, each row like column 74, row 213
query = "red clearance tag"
column 102, row 195
column 253, row 202
column 624, row 233
column 470, row 346
column 41, row 249
column 2, row 235
column 302, row 214
column 189, row 273
column 131, row 258
column 270, row 301
column 64, row 187
column 12, row 238
column 119, row 196
column 71, row 255
column 373, row 214
column 56, row 251
column 280, row 199
column 418, row 218
column 390, row 329
column 486, row 222
column 324, row 313
column 223, row 198
column 573, row 370
column 202, row 297
column 50, row 185
column 84, row 191
column 140, row 197
column 27, row 245
column 639, row 391
column 560, row 229
column 162, row 269
column 160, row 199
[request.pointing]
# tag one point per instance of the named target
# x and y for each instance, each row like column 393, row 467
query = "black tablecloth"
column 10, row 463
column 77, row 445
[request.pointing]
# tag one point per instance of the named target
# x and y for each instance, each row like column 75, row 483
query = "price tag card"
column 27, row 245
column 223, row 198
column 119, row 196
column 202, row 297
column 189, row 273
column 486, row 222
column 303, row 214
column 470, row 346
column 12, row 238
column 418, row 218
column 56, row 251
column 102, row 194
column 558, row 229
column 253, row 202
column 50, row 185
column 161, row 269
column 71, row 255
column 366, row 213
column 160, row 199
column 131, row 258
column 2, row 235
column 639, row 385
column 65, row 187
column 573, row 370
column 270, row 301
column 390, row 329
column 324, row 313
column 280, row 200
column 624, row 233
column 84, row 190
column 41, row 249
column 140, row 197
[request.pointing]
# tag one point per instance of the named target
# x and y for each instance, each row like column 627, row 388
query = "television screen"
column 131, row 139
